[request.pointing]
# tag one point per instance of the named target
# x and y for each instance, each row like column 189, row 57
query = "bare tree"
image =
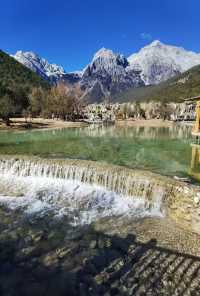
column 66, row 101
column 61, row 101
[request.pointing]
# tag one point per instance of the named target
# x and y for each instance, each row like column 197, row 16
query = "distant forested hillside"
column 16, row 84
column 176, row 89
column 15, row 75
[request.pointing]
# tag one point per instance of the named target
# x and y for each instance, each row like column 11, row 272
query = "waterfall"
column 87, row 190
column 83, row 191
column 117, row 179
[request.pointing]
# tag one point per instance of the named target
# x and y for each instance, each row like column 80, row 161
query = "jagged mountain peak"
column 106, row 53
column 39, row 65
column 107, row 59
column 156, row 43
column 158, row 61
column 103, row 52
column 110, row 72
column 27, row 54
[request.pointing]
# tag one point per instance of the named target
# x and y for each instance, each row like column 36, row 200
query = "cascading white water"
column 118, row 180
column 81, row 193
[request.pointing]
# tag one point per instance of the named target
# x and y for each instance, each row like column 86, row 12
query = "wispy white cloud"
column 146, row 36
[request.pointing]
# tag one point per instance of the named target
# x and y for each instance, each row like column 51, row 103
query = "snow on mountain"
column 39, row 65
column 108, row 74
column 158, row 62
column 77, row 73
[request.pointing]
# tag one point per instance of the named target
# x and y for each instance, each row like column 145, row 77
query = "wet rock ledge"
column 178, row 200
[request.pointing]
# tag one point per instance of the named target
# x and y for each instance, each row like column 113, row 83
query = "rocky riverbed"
column 72, row 227
column 114, row 256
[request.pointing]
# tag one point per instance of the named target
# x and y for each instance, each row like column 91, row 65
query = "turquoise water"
column 166, row 151
column 60, row 235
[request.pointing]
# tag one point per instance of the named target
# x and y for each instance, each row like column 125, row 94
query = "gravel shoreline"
column 40, row 124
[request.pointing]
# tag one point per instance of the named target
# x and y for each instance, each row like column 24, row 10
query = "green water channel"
column 167, row 151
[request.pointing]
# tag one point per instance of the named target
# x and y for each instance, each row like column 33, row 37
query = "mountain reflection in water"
column 163, row 150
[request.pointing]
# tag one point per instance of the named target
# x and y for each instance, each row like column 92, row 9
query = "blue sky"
column 70, row 32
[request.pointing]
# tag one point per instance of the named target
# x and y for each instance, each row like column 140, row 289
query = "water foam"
column 80, row 203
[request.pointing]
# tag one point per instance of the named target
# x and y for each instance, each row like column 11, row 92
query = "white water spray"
column 82, row 193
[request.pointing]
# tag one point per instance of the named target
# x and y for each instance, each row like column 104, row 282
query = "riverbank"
column 145, row 123
column 39, row 124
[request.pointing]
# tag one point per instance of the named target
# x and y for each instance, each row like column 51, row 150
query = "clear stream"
column 66, row 237
column 166, row 151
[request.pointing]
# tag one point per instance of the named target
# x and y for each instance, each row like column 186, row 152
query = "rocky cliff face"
column 107, row 74
column 39, row 65
column 110, row 73
column 159, row 62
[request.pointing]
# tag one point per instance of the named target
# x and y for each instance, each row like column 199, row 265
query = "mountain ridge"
column 16, row 84
column 159, row 62
column 39, row 65
column 111, row 73
column 14, row 73
column 108, row 71
column 177, row 89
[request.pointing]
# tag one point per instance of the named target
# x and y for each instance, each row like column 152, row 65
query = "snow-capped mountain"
column 39, row 65
column 158, row 62
column 109, row 73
